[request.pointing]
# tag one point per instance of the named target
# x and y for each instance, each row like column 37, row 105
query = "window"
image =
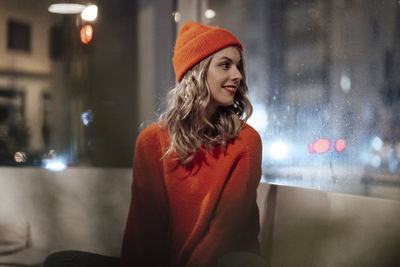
column 326, row 94
column 18, row 35
column 324, row 123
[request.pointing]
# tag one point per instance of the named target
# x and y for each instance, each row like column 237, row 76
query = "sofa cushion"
column 26, row 257
column 14, row 235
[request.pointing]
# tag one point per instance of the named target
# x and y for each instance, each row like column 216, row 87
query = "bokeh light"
column 278, row 150
column 86, row 33
column 320, row 146
column 340, row 145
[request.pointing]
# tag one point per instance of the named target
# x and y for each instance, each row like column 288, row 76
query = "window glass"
column 18, row 35
column 67, row 84
column 325, row 88
column 322, row 74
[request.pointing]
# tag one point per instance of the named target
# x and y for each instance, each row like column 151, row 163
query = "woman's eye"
column 225, row 65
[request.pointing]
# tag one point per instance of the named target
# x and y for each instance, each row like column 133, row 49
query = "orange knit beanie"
column 197, row 41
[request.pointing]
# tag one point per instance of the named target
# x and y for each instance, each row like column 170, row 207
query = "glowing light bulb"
column 345, row 83
column 54, row 164
column 66, row 8
column 377, row 143
column 86, row 33
column 209, row 13
column 89, row 13
column 20, row 157
column 278, row 150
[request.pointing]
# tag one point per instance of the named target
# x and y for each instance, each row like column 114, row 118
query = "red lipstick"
column 230, row 90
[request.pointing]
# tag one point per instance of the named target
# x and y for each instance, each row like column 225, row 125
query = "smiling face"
column 223, row 77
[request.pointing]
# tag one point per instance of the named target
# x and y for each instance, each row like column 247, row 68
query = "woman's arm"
column 146, row 235
column 235, row 225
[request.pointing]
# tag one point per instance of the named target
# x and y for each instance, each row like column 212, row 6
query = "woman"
column 196, row 172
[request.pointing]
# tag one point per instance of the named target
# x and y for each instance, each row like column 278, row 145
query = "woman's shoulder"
column 248, row 138
column 249, row 133
column 247, row 129
column 152, row 133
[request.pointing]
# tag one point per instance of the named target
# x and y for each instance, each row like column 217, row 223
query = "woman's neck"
column 211, row 109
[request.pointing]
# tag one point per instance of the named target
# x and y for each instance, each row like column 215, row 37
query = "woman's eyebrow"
column 229, row 59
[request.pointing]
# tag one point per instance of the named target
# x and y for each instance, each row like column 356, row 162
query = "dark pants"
column 73, row 258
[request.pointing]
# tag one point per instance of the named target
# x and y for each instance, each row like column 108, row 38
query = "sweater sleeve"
column 235, row 225
column 146, row 234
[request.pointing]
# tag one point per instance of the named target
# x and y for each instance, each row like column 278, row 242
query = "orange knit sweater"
column 193, row 215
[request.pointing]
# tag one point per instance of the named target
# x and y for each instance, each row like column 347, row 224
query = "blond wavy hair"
column 186, row 120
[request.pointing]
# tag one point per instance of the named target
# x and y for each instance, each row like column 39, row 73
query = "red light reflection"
column 324, row 145
column 340, row 145
column 320, row 146
column 86, row 33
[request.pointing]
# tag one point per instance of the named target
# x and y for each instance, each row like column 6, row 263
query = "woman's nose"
column 236, row 75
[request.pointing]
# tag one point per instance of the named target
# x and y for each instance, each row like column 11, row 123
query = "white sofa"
column 86, row 208
column 43, row 211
